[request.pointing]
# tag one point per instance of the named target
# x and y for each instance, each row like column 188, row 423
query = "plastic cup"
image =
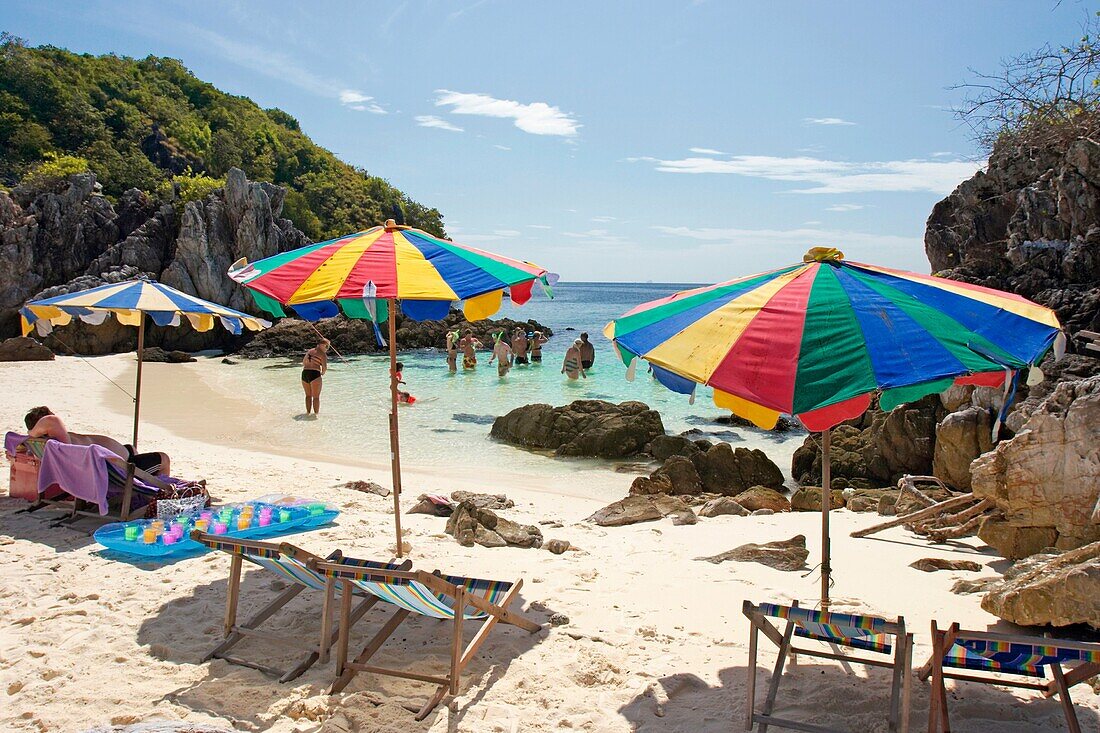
column 170, row 538
column 265, row 520
column 243, row 523
column 284, row 515
column 131, row 532
column 315, row 509
column 202, row 524
column 220, row 528
column 149, row 535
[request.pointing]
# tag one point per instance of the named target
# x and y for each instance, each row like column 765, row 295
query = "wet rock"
column 783, row 425
column 680, row 475
column 582, row 428
column 436, row 506
column 787, row 555
column 808, row 499
column 1048, row 589
column 664, row 447
column 21, row 348
column 761, row 497
column 156, row 354
column 722, row 506
column 483, row 501
column 634, row 509
column 470, row 525
column 932, row 564
column 729, row 471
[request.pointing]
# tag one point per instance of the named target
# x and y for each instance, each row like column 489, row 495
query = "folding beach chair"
column 123, row 479
column 995, row 656
column 426, row 594
column 299, row 568
column 865, row 633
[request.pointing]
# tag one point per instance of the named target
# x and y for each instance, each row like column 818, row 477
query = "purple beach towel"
column 79, row 470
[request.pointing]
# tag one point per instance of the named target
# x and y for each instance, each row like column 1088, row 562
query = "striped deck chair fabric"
column 853, row 630
column 1011, row 657
column 291, row 568
column 416, row 597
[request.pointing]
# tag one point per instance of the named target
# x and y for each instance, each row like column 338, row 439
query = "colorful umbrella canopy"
column 366, row 273
column 817, row 339
column 424, row 272
column 128, row 302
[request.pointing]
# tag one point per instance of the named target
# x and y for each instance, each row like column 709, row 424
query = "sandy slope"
column 655, row 640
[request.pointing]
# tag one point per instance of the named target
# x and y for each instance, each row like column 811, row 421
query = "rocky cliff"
column 75, row 238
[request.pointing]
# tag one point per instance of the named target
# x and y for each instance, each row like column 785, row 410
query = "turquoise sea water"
column 449, row 424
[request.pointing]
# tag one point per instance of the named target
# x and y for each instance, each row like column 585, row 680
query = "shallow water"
column 449, row 424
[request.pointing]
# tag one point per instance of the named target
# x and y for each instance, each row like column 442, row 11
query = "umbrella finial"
column 393, row 226
column 823, row 254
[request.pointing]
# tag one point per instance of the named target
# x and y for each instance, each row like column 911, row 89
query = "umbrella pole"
column 395, row 449
column 826, row 506
column 137, row 387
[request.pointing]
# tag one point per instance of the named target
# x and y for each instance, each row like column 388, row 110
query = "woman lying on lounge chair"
column 42, row 423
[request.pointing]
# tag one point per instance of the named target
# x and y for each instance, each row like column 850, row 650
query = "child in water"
column 502, row 353
column 403, row 397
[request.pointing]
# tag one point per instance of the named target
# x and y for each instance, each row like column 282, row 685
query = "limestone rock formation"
column 20, row 348
column 581, row 428
column 495, row 502
column 787, row 555
column 1050, row 589
column 470, row 525
column 960, row 438
column 634, row 509
column 1028, row 224
column 1046, row 480
column 74, row 238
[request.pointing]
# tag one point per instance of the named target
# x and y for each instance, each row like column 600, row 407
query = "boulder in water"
column 582, row 428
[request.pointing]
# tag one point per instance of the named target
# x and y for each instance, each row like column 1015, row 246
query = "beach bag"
column 182, row 497
column 23, row 479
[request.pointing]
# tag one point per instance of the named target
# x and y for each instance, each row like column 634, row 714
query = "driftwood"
column 932, row 511
column 908, row 485
column 968, row 527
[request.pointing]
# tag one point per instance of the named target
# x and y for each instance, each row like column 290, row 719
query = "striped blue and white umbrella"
column 129, row 302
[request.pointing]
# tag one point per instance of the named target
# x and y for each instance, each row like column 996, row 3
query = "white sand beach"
column 655, row 639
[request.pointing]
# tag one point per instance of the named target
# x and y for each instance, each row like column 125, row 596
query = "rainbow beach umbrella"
column 368, row 273
column 129, row 302
column 818, row 339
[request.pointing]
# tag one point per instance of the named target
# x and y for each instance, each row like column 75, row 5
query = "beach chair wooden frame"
column 943, row 640
column 900, row 661
column 256, row 551
column 451, row 588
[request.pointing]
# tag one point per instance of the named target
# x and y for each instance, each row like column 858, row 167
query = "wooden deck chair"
column 865, row 633
column 994, row 657
column 299, row 568
column 427, row 594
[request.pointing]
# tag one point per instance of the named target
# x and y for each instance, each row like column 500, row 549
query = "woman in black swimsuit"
column 314, row 365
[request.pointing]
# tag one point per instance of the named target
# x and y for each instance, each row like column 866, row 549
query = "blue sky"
column 667, row 141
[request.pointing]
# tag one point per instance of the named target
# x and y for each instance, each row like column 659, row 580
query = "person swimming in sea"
column 314, row 366
column 519, row 346
column 468, row 344
column 572, row 366
column 402, row 396
column 452, row 351
column 534, row 346
column 502, row 353
column 588, row 352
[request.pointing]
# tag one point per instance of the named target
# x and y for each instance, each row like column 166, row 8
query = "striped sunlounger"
column 999, row 658
column 299, row 569
column 445, row 597
column 866, row 633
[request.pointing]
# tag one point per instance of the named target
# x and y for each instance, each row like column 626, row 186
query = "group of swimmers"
column 508, row 350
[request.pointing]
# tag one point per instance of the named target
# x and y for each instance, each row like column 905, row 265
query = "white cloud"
column 788, row 245
column 810, row 223
column 539, row 226
column 603, row 219
column 706, row 151
column 437, row 122
column 844, row 207
column 945, row 154
column 537, row 118
column 833, row 176
column 825, row 121
column 350, row 96
column 502, row 147
column 507, row 232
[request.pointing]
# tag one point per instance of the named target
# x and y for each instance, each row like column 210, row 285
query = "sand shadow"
column 40, row 526
column 185, row 629
column 823, row 693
